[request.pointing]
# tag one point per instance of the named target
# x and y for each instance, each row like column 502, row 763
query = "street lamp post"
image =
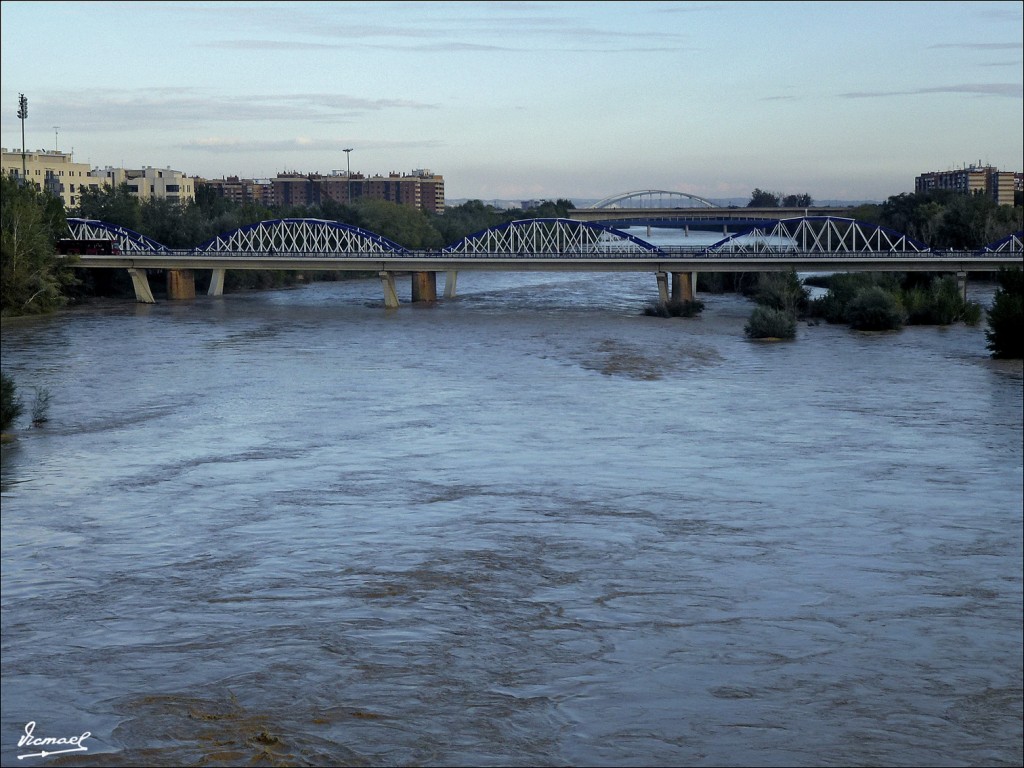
column 22, row 114
column 348, row 173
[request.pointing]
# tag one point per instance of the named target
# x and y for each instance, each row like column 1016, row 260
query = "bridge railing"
column 666, row 252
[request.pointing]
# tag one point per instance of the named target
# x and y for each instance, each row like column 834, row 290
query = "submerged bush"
column 939, row 303
column 41, row 407
column 674, row 308
column 768, row 323
column 1005, row 332
column 843, row 289
column 783, row 291
column 10, row 403
column 875, row 309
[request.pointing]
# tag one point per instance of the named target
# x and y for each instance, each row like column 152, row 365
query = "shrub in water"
column 675, row 308
column 938, row 303
column 1005, row 332
column 768, row 323
column 782, row 290
column 875, row 309
column 10, row 403
column 41, row 407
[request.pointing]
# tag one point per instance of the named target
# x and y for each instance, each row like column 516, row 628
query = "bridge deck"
column 677, row 259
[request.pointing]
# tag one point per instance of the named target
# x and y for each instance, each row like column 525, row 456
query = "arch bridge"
column 810, row 243
column 653, row 198
column 660, row 207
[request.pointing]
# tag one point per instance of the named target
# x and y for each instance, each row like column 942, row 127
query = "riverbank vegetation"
column 32, row 280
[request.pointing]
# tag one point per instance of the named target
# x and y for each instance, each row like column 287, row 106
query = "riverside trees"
column 32, row 280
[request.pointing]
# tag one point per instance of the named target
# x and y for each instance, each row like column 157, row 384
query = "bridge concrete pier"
column 181, row 284
column 684, row 286
column 662, row 286
column 216, row 283
column 424, row 286
column 961, row 284
column 449, row 283
column 387, row 281
column 140, row 281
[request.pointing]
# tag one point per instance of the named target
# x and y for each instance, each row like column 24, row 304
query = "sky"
column 843, row 101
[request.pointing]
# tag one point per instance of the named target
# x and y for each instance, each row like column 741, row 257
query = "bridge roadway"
column 682, row 262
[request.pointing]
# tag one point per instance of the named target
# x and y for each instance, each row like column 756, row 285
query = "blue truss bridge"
column 803, row 243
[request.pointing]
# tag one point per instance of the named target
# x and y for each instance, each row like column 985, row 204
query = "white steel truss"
column 551, row 237
column 1009, row 244
column 819, row 234
column 309, row 237
column 127, row 240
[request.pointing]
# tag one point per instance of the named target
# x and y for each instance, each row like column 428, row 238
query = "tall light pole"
column 22, row 114
column 348, row 172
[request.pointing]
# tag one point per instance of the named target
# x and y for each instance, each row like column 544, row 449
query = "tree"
column 759, row 198
column 797, row 201
column 32, row 279
column 402, row 224
column 944, row 219
column 1005, row 332
column 112, row 205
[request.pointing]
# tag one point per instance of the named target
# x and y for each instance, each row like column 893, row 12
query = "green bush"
column 768, row 323
column 783, row 291
column 1005, row 332
column 875, row 309
column 972, row 313
column 10, row 403
column 939, row 302
column 843, row 287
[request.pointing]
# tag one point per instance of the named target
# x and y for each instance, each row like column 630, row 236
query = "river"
column 527, row 526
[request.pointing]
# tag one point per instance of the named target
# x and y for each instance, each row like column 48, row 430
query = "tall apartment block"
column 975, row 179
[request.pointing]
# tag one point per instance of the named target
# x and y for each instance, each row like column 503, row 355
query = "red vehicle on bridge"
column 72, row 247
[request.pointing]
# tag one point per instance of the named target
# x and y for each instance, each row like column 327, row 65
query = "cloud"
column 1012, row 90
column 231, row 144
column 162, row 108
column 981, row 46
column 456, row 27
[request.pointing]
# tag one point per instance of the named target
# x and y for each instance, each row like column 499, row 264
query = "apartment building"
column 50, row 170
column 58, row 173
column 149, row 183
column 259, row 191
column 974, row 179
column 421, row 189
